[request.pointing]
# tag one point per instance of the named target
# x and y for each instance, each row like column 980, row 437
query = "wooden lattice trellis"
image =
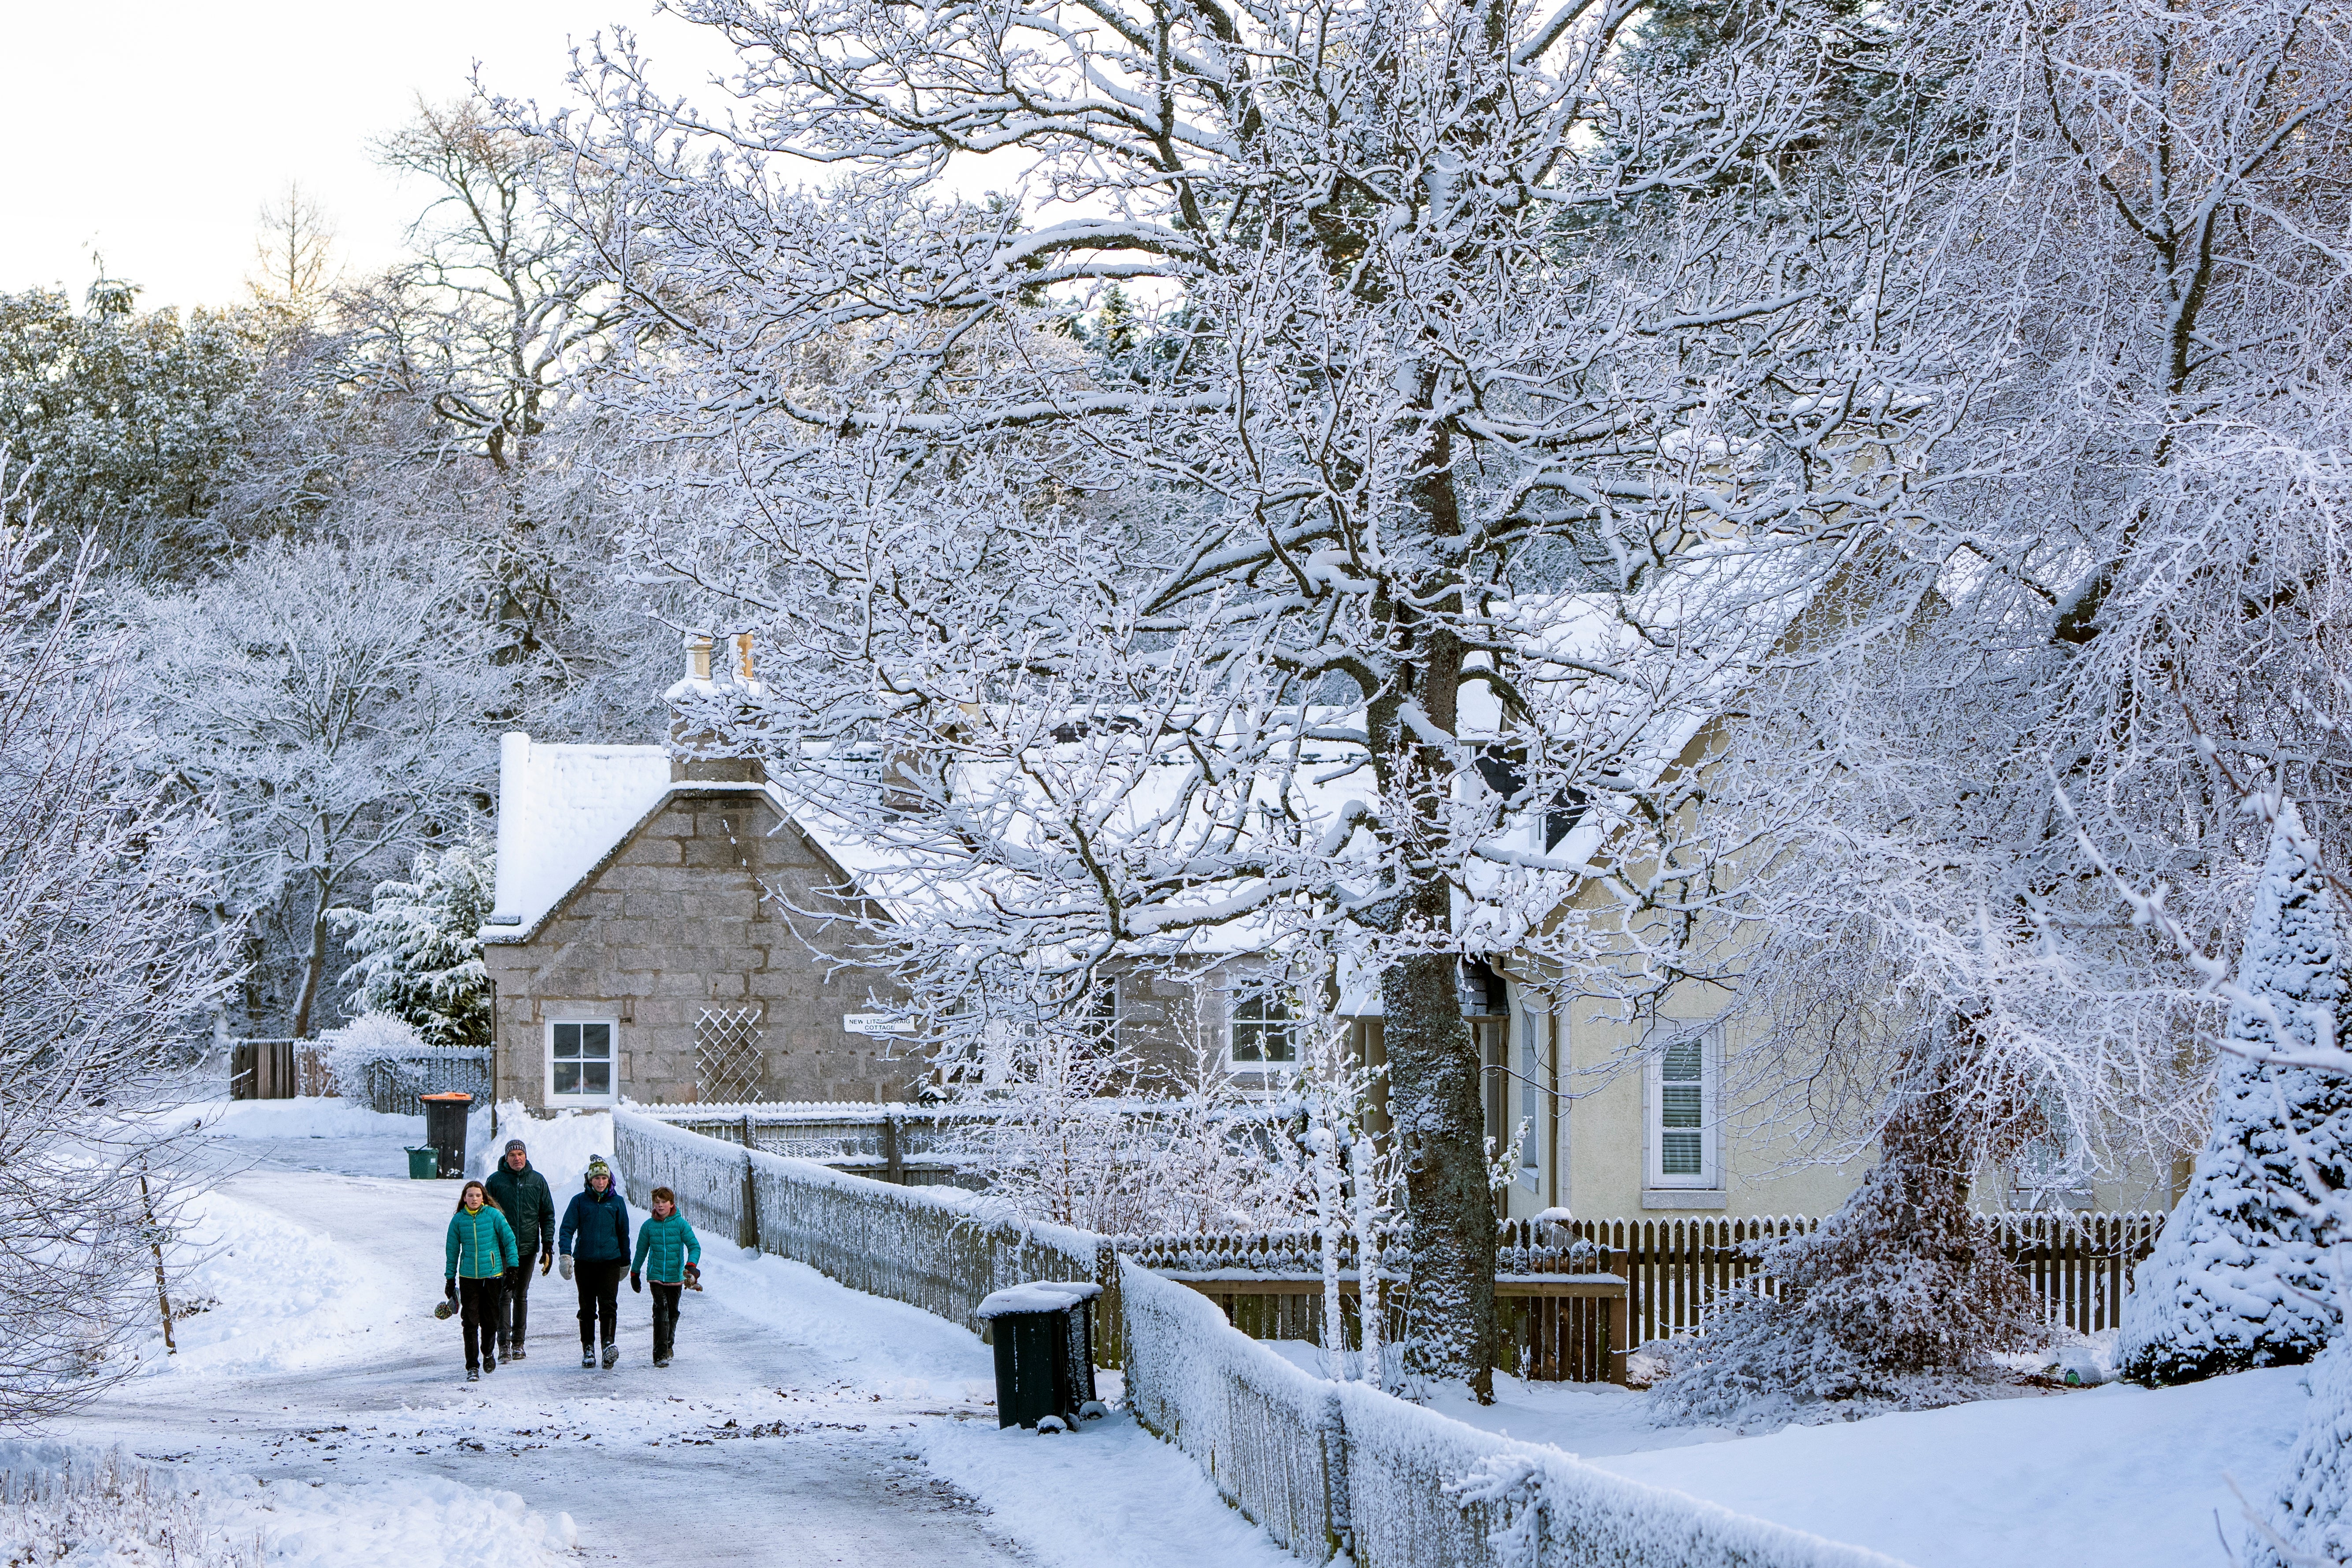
column 729, row 1067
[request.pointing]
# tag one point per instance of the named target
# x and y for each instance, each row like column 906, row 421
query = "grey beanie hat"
column 515, row 1143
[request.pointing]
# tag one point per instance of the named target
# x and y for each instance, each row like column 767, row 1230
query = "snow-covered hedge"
column 1330, row 1466
column 1268, row 1433
column 708, row 1177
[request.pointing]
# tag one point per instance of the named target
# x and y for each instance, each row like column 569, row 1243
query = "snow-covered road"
column 801, row 1422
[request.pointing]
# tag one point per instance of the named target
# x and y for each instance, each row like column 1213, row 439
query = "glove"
column 449, row 1288
column 693, row 1276
column 547, row 1261
column 567, row 1266
column 636, row 1282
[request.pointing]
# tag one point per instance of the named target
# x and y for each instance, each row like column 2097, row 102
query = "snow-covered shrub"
column 358, row 1056
column 420, row 948
column 1070, row 1126
column 1902, row 1296
column 2237, row 1279
column 111, row 1511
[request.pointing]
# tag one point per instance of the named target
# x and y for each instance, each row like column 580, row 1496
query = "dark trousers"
column 665, row 1317
column 515, row 1305
column 478, row 1317
column 600, row 1296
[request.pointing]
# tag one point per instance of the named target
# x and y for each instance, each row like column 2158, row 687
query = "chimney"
column 686, row 767
column 743, row 657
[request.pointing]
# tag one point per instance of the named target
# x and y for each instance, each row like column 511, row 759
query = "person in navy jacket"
column 594, row 1241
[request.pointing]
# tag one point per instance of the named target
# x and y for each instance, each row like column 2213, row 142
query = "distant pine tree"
column 2237, row 1279
column 420, row 948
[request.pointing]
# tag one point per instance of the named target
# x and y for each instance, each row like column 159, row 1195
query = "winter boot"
column 588, row 1355
column 489, row 1364
column 612, row 1354
column 473, row 1376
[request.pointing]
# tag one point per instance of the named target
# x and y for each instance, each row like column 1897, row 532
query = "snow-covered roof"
column 561, row 810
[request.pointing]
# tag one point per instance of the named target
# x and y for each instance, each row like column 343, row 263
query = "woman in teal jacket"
column 479, row 1251
column 671, row 1255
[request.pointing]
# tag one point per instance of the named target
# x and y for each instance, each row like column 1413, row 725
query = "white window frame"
column 1533, row 1093
column 1655, row 1177
column 1261, row 1068
column 611, row 1094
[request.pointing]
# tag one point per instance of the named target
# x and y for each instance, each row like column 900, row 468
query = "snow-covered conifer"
column 2309, row 1523
column 419, row 946
column 2238, row 1278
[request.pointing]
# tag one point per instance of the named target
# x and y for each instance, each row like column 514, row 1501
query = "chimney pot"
column 697, row 656
column 744, row 656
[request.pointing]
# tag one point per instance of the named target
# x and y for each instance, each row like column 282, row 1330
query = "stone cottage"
column 642, row 945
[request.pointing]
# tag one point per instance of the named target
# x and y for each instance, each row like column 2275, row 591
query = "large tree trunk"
column 1441, row 1126
column 314, row 965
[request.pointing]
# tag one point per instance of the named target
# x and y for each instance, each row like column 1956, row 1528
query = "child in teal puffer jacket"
column 479, row 1249
column 671, row 1254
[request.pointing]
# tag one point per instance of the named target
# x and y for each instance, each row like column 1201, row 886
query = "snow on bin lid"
column 1038, row 1296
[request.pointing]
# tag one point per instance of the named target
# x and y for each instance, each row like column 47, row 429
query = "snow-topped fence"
column 1332, row 1468
column 1323, row 1467
column 937, row 1248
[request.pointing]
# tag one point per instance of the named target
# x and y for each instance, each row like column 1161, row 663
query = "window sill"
column 1685, row 1198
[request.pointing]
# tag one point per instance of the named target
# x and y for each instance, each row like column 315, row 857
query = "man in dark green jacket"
column 521, row 1195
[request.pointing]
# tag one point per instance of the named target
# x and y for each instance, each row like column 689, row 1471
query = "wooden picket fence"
column 2078, row 1266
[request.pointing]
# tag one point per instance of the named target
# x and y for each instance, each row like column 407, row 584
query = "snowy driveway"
column 801, row 1423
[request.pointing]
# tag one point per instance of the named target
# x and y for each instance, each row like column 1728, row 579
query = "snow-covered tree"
column 330, row 704
column 1443, row 322
column 107, row 965
column 418, row 945
column 2241, row 1277
column 1900, row 1296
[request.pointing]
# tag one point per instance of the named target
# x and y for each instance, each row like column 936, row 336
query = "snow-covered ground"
column 2117, row 1477
column 317, row 1404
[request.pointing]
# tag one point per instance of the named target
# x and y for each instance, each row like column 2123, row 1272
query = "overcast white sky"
column 157, row 132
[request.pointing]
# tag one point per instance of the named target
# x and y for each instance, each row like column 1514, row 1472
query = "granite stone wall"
column 674, row 924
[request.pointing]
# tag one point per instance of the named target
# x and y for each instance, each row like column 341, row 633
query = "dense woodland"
column 1271, row 462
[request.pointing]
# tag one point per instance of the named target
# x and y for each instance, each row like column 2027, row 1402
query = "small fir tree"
column 420, row 947
column 2238, row 1278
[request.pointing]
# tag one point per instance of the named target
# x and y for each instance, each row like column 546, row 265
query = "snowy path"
column 801, row 1423
column 748, row 1442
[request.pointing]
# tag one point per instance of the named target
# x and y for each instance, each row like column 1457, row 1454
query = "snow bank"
column 110, row 1512
column 305, row 1117
column 2119, row 1477
column 559, row 1145
column 260, row 1291
column 1101, row 1498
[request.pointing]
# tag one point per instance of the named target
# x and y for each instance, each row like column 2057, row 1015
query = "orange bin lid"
column 448, row 1097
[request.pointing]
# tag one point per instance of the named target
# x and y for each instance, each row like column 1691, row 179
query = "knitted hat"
column 596, row 1166
column 513, row 1144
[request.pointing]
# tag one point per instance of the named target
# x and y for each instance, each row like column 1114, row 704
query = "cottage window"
column 1263, row 1031
column 1683, row 1113
column 579, row 1062
column 1102, row 1010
